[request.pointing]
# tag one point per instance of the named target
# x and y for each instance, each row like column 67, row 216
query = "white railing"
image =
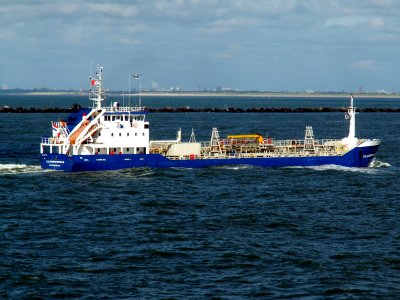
column 46, row 140
column 124, row 109
column 287, row 143
column 51, row 141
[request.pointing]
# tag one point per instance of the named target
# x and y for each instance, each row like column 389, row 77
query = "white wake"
column 7, row 169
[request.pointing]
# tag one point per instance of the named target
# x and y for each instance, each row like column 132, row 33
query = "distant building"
column 154, row 86
column 225, row 89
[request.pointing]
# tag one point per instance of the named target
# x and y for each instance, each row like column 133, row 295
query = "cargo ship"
column 117, row 137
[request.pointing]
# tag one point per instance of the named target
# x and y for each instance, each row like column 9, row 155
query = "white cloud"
column 376, row 22
column 113, row 9
column 267, row 7
column 354, row 21
column 224, row 25
column 365, row 65
column 129, row 41
column 201, row 35
column 386, row 4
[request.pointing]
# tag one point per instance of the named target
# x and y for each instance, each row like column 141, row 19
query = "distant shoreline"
column 8, row 109
column 215, row 94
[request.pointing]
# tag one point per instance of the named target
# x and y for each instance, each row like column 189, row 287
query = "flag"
column 95, row 82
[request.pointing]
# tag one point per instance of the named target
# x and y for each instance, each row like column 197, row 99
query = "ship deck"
column 226, row 149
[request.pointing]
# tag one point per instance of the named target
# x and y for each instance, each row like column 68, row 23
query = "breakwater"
column 8, row 109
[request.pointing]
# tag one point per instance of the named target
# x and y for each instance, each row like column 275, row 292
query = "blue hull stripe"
column 358, row 157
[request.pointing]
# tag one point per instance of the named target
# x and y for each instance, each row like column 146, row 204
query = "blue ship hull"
column 357, row 157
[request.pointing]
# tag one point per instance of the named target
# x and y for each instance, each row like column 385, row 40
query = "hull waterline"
column 358, row 157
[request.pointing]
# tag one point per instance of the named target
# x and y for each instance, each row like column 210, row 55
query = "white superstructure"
column 103, row 130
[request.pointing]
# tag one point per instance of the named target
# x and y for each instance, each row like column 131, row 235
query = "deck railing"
column 46, row 140
column 125, row 109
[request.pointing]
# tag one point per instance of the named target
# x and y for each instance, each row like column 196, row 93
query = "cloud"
column 266, row 8
column 224, row 25
column 365, row 65
column 354, row 21
column 185, row 37
column 113, row 9
column 376, row 22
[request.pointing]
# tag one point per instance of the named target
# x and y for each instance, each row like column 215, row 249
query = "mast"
column 351, row 112
column 97, row 95
column 139, row 76
column 351, row 139
column 192, row 137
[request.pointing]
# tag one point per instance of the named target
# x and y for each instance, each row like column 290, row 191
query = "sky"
column 269, row 45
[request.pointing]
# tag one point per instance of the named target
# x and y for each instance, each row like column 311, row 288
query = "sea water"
column 234, row 232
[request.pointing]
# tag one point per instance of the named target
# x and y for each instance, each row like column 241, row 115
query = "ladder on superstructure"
column 309, row 140
column 215, row 146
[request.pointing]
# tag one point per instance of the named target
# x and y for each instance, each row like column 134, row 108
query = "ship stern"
column 57, row 162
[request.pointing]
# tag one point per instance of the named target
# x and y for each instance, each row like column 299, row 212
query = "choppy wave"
column 337, row 168
column 379, row 164
column 6, row 169
column 234, row 167
column 374, row 168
